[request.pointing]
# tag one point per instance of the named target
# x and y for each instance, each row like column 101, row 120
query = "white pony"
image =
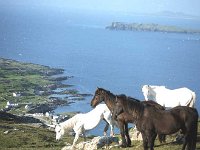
column 85, row 121
column 169, row 98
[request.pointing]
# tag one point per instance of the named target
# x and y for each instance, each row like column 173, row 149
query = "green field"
column 25, row 78
column 24, row 136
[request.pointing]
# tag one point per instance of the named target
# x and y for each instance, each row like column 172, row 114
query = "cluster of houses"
column 37, row 111
column 10, row 105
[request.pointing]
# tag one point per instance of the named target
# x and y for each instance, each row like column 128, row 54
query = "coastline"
column 35, row 88
column 19, row 129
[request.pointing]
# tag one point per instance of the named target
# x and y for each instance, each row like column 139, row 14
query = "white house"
column 16, row 94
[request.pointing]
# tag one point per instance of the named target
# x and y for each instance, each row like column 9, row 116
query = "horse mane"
column 132, row 105
column 129, row 100
column 127, row 97
column 107, row 91
column 154, row 104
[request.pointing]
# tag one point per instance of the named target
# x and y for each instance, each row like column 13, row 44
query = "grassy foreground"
column 20, row 136
column 15, row 136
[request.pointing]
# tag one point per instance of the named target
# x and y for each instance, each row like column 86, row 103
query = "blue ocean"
column 119, row 61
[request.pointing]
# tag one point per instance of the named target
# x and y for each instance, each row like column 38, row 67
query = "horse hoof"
column 123, row 146
column 104, row 133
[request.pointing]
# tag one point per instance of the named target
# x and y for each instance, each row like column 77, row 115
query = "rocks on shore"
column 40, row 108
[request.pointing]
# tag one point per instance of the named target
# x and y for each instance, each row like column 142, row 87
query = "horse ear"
column 116, row 98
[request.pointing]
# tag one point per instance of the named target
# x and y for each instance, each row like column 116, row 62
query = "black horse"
column 123, row 118
column 151, row 121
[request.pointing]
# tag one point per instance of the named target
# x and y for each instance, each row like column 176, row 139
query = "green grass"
column 22, row 136
column 27, row 137
column 25, row 78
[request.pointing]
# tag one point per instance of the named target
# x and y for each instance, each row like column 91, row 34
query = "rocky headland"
column 150, row 27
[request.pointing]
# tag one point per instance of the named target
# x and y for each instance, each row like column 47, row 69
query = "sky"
column 138, row 6
column 191, row 7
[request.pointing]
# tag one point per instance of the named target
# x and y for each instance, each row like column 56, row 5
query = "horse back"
column 154, row 104
column 170, row 121
column 185, row 113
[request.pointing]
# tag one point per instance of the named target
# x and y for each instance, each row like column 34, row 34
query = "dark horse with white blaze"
column 123, row 118
column 151, row 121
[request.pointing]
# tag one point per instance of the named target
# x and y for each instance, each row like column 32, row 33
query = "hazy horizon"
column 189, row 7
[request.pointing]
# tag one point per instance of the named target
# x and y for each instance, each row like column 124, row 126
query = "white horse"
column 85, row 121
column 169, row 98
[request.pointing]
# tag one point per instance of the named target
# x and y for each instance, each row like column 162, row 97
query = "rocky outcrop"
column 135, row 135
column 96, row 143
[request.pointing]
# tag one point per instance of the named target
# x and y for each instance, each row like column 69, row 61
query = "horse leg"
column 151, row 140
column 78, row 130
column 162, row 138
column 106, row 127
column 145, row 141
column 121, row 126
column 83, row 132
column 75, row 139
column 127, row 135
column 185, row 142
column 108, row 120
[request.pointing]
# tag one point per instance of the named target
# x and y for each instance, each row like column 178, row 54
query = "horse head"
column 59, row 131
column 98, row 97
column 145, row 91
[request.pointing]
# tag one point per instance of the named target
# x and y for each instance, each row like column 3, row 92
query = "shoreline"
column 29, row 131
column 38, row 88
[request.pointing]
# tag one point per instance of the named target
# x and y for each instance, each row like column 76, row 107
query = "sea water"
column 119, row 61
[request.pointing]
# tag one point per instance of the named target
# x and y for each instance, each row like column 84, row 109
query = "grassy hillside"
column 25, row 78
column 27, row 136
column 21, row 136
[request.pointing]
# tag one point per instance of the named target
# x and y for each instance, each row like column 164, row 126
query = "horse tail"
column 194, row 130
column 192, row 101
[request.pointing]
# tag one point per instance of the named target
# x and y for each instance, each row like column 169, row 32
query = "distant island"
column 149, row 27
